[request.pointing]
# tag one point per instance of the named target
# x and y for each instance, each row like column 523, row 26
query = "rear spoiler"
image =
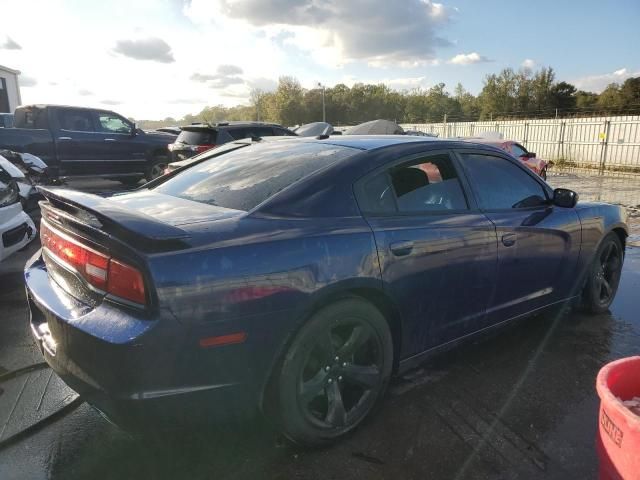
column 98, row 213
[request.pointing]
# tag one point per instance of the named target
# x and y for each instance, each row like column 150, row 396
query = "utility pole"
column 324, row 116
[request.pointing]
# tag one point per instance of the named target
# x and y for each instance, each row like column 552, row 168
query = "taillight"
column 203, row 148
column 126, row 282
column 101, row 271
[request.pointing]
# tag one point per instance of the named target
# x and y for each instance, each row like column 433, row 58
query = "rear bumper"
column 135, row 370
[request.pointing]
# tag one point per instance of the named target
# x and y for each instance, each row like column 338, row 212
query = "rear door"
column 123, row 149
column 79, row 145
column 538, row 243
column 437, row 252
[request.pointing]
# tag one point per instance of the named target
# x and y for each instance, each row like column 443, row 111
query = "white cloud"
column 264, row 84
column 229, row 70
column 468, row 59
column 380, row 32
column 10, row 44
column 597, row 83
column 154, row 49
column 528, row 63
column 27, row 81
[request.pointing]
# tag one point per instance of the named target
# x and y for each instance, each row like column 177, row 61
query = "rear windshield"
column 244, row 178
column 197, row 137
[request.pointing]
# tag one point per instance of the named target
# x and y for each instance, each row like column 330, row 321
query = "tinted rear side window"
column 76, row 120
column 197, row 137
column 244, row 178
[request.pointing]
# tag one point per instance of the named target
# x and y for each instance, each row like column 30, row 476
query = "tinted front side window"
column 500, row 184
column 263, row 132
column 238, row 133
column 113, row 123
column 244, row 178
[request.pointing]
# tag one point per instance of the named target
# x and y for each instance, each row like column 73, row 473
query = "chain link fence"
column 604, row 143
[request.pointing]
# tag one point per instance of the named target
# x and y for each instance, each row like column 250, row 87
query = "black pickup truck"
column 89, row 142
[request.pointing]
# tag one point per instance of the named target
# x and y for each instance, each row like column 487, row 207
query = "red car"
column 538, row 165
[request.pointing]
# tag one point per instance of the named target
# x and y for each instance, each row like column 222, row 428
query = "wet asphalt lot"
column 521, row 404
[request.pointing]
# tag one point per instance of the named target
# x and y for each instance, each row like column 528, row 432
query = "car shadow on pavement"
column 512, row 406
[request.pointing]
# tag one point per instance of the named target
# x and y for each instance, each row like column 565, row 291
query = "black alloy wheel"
column 335, row 372
column 604, row 276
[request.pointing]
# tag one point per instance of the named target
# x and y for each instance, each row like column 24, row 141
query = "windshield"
column 244, row 178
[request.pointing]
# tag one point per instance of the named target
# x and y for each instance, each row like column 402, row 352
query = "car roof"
column 214, row 126
column 372, row 142
column 487, row 141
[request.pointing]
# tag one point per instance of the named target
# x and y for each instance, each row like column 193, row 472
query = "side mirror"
column 563, row 197
column 134, row 130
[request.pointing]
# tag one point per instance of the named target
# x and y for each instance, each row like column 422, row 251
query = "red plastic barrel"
column 618, row 427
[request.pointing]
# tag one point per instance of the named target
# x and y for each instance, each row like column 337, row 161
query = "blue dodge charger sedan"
column 294, row 277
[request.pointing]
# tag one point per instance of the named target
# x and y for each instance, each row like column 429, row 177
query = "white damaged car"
column 16, row 228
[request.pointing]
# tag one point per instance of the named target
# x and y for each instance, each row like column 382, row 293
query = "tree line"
column 508, row 94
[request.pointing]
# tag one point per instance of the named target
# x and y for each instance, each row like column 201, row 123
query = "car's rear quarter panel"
column 598, row 219
column 262, row 276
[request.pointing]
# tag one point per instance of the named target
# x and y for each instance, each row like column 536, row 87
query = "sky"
column 151, row 59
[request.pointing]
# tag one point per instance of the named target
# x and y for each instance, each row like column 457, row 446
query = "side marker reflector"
column 218, row 341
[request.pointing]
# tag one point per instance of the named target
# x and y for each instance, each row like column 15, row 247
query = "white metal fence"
column 606, row 143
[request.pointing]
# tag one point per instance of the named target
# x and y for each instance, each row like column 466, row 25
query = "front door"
column 538, row 243
column 437, row 253
column 124, row 151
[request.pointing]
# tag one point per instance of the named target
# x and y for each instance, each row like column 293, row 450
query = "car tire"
column 322, row 397
column 603, row 275
column 156, row 168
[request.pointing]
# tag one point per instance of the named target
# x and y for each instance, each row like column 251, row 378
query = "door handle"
column 109, row 139
column 509, row 239
column 400, row 249
column 64, row 138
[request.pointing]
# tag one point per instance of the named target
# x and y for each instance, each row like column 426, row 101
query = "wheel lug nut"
column 330, row 380
column 327, row 368
column 344, row 364
column 340, row 378
column 337, row 359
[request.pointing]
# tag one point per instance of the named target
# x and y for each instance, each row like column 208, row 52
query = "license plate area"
column 40, row 328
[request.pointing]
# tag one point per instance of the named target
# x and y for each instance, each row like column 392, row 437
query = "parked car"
column 6, row 120
column 216, row 151
column 296, row 276
column 529, row 159
column 169, row 130
column 27, row 172
column 375, row 127
column 198, row 138
column 16, row 228
column 314, row 129
column 418, row 133
column 76, row 141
